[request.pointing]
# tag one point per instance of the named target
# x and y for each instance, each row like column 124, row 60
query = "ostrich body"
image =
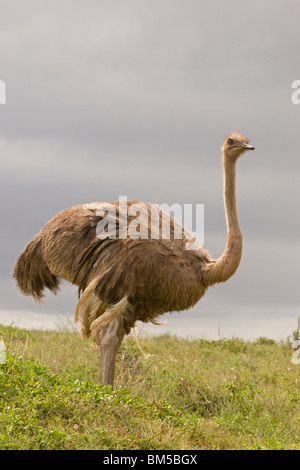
column 122, row 280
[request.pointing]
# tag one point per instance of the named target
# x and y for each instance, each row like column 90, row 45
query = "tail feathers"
column 32, row 274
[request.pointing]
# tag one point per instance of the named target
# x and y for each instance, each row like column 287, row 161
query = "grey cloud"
column 110, row 98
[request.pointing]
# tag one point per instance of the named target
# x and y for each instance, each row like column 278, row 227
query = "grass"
column 191, row 394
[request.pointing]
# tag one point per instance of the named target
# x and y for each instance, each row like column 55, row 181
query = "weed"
column 191, row 394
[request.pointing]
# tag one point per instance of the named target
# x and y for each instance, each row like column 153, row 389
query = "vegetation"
column 191, row 394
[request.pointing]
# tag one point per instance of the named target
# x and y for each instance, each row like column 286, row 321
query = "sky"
column 134, row 97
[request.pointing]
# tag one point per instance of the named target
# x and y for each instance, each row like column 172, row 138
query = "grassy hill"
column 191, row 394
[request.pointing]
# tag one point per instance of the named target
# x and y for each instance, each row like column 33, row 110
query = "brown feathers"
column 156, row 276
column 32, row 274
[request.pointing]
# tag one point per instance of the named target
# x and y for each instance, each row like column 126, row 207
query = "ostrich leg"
column 110, row 338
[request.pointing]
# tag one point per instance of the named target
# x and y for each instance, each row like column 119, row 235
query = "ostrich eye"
column 230, row 141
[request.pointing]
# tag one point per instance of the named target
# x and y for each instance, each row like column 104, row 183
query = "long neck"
column 223, row 268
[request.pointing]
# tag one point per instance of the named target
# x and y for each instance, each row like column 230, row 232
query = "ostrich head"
column 234, row 145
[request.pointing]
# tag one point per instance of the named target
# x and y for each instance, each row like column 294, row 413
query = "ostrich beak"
column 247, row 147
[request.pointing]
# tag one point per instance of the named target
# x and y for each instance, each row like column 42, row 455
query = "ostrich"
column 123, row 279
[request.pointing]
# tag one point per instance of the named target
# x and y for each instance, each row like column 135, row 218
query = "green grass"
column 191, row 394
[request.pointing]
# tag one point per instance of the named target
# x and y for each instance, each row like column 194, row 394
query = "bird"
column 123, row 279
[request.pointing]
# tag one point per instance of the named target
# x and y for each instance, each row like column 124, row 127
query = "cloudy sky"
column 134, row 97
